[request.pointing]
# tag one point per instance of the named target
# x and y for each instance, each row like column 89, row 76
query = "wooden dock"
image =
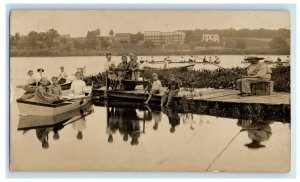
column 205, row 94
column 219, row 102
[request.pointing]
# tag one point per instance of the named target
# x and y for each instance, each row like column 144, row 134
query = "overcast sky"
column 78, row 22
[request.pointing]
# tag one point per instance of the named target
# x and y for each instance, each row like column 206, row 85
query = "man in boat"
column 172, row 91
column 156, row 87
column 109, row 66
column 42, row 95
column 121, row 74
column 55, row 88
column 256, row 72
column 62, row 76
column 30, row 79
column 78, row 87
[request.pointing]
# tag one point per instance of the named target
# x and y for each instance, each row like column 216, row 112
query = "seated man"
column 256, row 72
column 62, row 76
column 173, row 89
column 41, row 94
column 78, row 87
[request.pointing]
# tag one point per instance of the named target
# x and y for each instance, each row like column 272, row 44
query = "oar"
column 223, row 68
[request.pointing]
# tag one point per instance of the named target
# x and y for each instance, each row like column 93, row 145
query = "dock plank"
column 210, row 94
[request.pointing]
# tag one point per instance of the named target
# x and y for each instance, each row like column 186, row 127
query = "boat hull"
column 34, row 108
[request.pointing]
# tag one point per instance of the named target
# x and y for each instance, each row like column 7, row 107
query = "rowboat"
column 28, row 107
column 37, row 121
column 180, row 68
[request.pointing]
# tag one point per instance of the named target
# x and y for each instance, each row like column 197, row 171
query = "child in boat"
column 78, row 87
column 173, row 89
column 62, row 76
column 121, row 74
column 41, row 94
column 133, row 66
column 55, row 88
column 156, row 87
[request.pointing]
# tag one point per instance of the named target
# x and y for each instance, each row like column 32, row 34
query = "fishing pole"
column 222, row 67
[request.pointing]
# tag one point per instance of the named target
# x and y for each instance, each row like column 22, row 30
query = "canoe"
column 28, row 107
column 66, row 86
column 36, row 121
column 181, row 68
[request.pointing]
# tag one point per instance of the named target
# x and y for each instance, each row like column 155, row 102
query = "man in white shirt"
column 62, row 76
column 78, row 87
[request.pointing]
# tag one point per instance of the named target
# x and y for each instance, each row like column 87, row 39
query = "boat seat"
column 262, row 88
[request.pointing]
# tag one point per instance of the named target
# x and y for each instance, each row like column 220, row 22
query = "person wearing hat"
column 256, row 72
column 156, row 87
column 39, row 75
column 172, row 91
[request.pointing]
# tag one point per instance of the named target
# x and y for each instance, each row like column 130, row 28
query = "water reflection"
column 44, row 125
column 258, row 131
column 127, row 121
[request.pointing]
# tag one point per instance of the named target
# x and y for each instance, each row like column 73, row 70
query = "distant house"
column 123, row 38
column 109, row 39
column 210, row 38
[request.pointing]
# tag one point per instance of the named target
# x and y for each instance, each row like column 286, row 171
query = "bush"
column 219, row 78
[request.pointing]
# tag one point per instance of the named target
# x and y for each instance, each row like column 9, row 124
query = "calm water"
column 95, row 64
column 131, row 137
column 139, row 138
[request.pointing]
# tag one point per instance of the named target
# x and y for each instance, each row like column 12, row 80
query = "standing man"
column 256, row 72
column 109, row 65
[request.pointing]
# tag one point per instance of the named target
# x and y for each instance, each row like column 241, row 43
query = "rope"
column 223, row 150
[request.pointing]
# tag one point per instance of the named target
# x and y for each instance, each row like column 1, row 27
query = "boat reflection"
column 44, row 125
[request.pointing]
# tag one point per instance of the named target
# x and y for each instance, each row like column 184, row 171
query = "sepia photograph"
column 150, row 90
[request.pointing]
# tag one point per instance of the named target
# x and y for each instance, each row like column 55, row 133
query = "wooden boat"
column 37, row 121
column 66, row 86
column 181, row 68
column 28, row 107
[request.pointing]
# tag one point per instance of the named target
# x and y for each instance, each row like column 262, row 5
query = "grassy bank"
column 219, row 79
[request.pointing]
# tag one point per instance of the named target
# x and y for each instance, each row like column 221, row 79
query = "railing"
column 126, row 80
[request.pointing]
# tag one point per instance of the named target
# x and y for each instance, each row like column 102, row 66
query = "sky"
column 78, row 22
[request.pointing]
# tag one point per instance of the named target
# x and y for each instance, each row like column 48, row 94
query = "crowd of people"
column 43, row 90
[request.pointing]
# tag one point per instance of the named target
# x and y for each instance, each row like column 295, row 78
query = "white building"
column 158, row 37
column 210, row 38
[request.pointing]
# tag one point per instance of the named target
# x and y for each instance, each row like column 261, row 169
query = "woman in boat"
column 78, row 87
column 41, row 94
column 39, row 75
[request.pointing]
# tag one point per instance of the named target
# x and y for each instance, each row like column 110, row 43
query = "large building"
column 210, row 38
column 163, row 38
column 122, row 38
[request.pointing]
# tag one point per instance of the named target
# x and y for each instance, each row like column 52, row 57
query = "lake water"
column 95, row 64
column 136, row 138
column 130, row 137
